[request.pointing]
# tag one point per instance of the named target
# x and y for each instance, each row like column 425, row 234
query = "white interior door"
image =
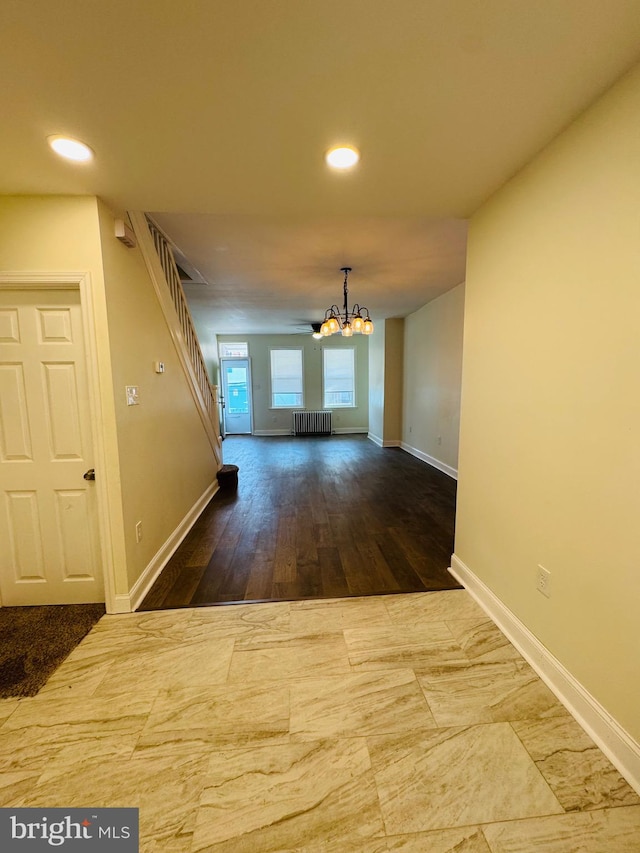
column 236, row 387
column 49, row 543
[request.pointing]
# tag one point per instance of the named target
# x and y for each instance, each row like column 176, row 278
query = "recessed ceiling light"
column 71, row 149
column 343, row 157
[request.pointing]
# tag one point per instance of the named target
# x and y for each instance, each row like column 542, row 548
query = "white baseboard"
column 430, row 460
column 377, row 440
column 121, row 604
column 619, row 747
column 127, row 604
column 337, row 431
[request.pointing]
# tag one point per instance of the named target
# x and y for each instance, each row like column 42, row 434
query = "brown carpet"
column 35, row 640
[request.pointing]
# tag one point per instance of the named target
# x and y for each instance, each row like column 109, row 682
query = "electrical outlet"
column 543, row 583
column 138, row 531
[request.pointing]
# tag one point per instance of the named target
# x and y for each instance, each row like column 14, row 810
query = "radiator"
column 312, row 423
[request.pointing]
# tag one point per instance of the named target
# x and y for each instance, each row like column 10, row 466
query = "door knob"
column 90, row 474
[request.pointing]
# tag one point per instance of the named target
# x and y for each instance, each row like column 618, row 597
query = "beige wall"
column 432, row 379
column 385, row 382
column 60, row 234
column 550, row 431
column 393, row 380
column 267, row 420
column 376, row 382
column 166, row 462
column 156, row 461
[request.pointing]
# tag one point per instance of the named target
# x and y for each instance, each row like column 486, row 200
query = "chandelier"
column 346, row 322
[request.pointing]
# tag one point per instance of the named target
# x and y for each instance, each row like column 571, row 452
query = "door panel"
column 49, row 544
column 62, row 410
column 15, row 436
column 25, row 536
column 236, row 384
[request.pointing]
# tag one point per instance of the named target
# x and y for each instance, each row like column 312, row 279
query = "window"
column 286, row 378
column 235, row 350
column 338, row 377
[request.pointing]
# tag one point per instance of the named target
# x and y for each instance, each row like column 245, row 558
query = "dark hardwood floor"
column 324, row 517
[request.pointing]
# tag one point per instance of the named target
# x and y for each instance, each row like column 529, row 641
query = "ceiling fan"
column 309, row 327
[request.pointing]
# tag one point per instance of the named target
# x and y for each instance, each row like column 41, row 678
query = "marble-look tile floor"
column 367, row 725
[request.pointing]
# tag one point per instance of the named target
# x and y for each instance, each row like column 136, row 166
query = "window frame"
column 353, row 404
column 272, row 403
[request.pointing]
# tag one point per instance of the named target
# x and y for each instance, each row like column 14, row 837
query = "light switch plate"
column 132, row 395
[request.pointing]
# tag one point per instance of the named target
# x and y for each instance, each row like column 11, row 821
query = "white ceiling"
column 214, row 116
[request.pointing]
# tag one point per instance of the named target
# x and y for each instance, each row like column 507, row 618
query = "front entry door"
column 236, row 387
column 49, row 543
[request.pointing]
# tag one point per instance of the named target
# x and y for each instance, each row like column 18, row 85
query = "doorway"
column 236, row 388
column 50, row 543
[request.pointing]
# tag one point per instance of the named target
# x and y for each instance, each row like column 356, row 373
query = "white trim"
column 225, row 390
column 619, row 747
column 349, row 430
column 271, row 432
column 121, row 604
column 273, row 349
column 430, row 460
column 377, row 440
column 81, row 281
column 326, row 349
column 149, row 576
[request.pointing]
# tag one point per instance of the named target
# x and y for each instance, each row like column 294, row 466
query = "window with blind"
column 286, row 379
column 338, row 378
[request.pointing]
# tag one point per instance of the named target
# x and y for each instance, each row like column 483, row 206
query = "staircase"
column 158, row 256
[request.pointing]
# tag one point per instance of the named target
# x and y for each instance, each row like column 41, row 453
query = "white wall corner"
column 375, row 439
column 151, row 573
column 619, row 747
column 430, row 460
